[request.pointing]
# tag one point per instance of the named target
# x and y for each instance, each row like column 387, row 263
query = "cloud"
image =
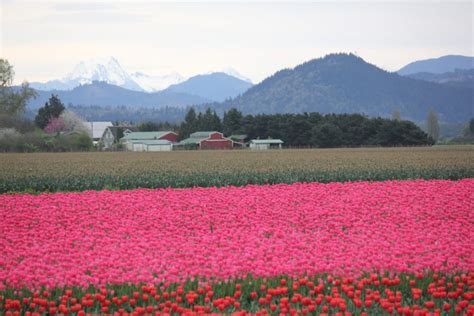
column 85, row 6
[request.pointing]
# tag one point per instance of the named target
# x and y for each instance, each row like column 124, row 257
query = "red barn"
column 208, row 140
column 171, row 136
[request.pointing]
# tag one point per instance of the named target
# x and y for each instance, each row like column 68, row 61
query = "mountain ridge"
column 104, row 94
column 217, row 86
column 336, row 83
column 345, row 83
column 459, row 77
column 443, row 64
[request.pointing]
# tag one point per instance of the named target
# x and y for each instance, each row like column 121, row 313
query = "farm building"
column 239, row 140
column 149, row 145
column 263, row 144
column 141, row 137
column 113, row 134
column 97, row 129
column 167, row 135
column 207, row 140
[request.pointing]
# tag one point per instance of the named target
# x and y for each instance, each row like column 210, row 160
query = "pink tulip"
column 116, row 237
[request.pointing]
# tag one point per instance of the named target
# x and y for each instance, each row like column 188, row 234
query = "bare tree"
column 432, row 124
column 12, row 102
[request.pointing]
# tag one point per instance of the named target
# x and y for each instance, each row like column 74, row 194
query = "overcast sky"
column 45, row 39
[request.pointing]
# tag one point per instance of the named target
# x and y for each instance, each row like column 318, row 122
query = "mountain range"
column 100, row 93
column 106, row 69
column 345, row 83
column 110, row 71
column 336, row 83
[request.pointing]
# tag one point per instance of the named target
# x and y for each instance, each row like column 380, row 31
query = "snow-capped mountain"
column 110, row 71
column 234, row 73
column 156, row 83
column 85, row 72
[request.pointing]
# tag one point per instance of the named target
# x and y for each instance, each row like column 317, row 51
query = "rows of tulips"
column 48, row 172
column 102, row 237
column 373, row 294
column 191, row 251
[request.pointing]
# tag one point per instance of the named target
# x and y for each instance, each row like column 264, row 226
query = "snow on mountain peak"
column 156, row 83
column 234, row 73
column 102, row 69
column 108, row 69
column 231, row 72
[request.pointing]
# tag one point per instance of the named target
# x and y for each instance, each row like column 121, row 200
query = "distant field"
column 41, row 172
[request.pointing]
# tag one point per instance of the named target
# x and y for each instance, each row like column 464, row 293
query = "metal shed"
column 149, row 145
column 157, row 145
column 264, row 144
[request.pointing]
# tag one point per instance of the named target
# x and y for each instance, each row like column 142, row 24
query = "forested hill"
column 345, row 83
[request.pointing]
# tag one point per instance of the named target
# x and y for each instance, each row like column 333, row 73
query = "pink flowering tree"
column 55, row 125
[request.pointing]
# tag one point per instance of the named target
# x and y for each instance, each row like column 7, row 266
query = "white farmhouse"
column 97, row 129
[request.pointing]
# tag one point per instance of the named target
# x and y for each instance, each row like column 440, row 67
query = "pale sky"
column 45, row 39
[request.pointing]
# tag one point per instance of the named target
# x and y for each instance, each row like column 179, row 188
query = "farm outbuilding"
column 134, row 145
column 167, row 135
column 207, row 140
column 149, row 145
column 158, row 145
column 264, row 144
column 239, row 140
column 141, row 141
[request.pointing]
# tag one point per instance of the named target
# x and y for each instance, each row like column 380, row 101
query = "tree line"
column 309, row 129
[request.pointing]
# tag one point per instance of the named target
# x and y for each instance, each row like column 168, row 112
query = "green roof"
column 152, row 142
column 145, row 135
column 266, row 141
column 196, row 137
column 239, row 137
column 190, row 141
column 202, row 134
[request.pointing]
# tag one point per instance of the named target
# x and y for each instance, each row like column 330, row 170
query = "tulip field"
column 343, row 246
column 51, row 172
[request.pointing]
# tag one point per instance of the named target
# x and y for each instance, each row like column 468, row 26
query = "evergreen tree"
column 326, row 135
column 432, row 125
column 150, row 126
column 233, row 122
column 189, row 125
column 216, row 122
column 52, row 109
column 208, row 121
